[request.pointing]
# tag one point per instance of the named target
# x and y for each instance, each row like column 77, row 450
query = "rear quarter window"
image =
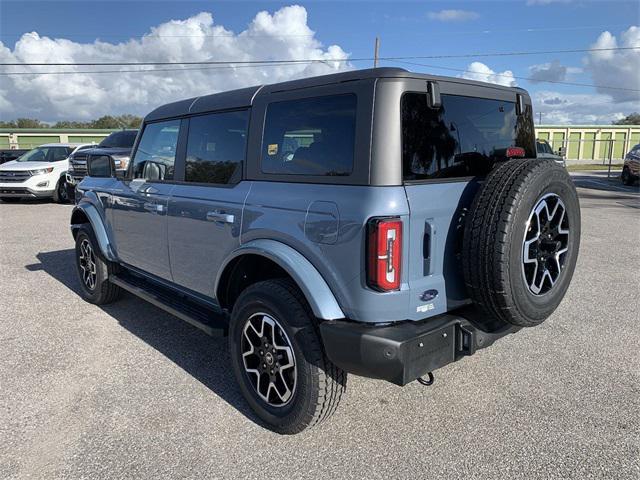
column 310, row 136
column 464, row 137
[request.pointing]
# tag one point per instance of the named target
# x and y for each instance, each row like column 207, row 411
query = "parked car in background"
column 378, row 222
column 117, row 145
column 544, row 150
column 6, row 154
column 631, row 167
column 39, row 173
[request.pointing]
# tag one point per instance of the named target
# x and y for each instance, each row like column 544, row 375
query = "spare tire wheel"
column 521, row 241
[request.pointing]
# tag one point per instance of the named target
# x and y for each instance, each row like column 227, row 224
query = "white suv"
column 39, row 173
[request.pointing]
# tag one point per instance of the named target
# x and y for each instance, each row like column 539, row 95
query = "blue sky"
column 405, row 29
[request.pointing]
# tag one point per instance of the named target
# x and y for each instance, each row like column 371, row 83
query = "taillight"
column 515, row 152
column 384, row 253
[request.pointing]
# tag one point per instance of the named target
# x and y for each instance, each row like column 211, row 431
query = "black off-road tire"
column 494, row 236
column 103, row 291
column 319, row 383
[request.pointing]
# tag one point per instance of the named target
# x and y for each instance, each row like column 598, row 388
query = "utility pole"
column 540, row 116
column 376, row 52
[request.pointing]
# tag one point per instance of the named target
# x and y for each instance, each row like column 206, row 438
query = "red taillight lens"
column 384, row 253
column 515, row 152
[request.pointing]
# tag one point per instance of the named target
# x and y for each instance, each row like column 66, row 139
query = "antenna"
column 376, row 51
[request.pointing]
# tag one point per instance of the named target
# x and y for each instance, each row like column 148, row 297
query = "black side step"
column 211, row 321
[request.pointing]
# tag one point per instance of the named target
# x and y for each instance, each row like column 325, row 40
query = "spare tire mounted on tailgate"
column 521, row 240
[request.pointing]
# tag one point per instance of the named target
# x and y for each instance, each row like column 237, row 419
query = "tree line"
column 107, row 121
column 133, row 121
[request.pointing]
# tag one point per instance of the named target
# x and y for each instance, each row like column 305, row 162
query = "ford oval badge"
column 429, row 295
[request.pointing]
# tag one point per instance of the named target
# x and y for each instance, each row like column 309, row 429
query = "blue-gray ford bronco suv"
column 377, row 222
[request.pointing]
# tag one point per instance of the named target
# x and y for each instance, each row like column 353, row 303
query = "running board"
column 208, row 320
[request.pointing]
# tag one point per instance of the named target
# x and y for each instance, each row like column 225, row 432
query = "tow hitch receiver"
column 405, row 351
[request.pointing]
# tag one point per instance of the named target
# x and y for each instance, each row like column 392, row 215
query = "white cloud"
column 548, row 72
column 616, row 68
column 481, row 72
column 453, row 15
column 284, row 34
column 561, row 108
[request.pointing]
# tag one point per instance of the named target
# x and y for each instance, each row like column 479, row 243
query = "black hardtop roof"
column 244, row 97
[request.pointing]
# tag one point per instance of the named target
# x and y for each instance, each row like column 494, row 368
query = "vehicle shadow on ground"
column 201, row 356
column 600, row 182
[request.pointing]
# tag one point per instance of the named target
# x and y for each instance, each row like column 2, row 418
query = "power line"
column 575, row 84
column 227, row 67
column 248, row 62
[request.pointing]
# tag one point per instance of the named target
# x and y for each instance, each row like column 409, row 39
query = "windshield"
column 46, row 154
column 544, row 147
column 122, row 139
column 464, row 137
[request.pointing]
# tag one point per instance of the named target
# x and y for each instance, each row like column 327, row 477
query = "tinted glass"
column 46, row 154
column 543, row 147
column 124, row 139
column 313, row 136
column 156, row 153
column 216, row 147
column 464, row 137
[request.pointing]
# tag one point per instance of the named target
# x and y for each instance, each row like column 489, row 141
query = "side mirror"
column 100, row 166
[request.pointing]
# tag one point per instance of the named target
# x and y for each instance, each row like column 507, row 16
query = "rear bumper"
column 404, row 351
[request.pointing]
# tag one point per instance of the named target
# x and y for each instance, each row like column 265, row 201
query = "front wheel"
column 93, row 270
column 60, row 195
column 278, row 358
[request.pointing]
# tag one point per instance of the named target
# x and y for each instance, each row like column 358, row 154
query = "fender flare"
column 97, row 224
column 320, row 297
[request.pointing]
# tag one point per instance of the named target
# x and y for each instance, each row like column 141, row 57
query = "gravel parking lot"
column 129, row 391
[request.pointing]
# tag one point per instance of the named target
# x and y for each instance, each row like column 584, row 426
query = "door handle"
column 154, row 207
column 219, row 216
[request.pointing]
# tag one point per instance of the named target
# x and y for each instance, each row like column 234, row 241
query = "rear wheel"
column 93, row 270
column 278, row 358
column 521, row 241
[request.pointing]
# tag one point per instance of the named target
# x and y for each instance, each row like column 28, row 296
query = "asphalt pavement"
column 128, row 391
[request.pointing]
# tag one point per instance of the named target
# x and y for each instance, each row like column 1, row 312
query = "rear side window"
column 464, row 137
column 311, row 136
column 156, row 153
column 216, row 147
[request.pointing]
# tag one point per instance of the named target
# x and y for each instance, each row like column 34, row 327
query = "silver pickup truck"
column 377, row 222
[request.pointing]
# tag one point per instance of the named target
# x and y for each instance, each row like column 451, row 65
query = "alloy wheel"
column 87, row 263
column 268, row 359
column 545, row 245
